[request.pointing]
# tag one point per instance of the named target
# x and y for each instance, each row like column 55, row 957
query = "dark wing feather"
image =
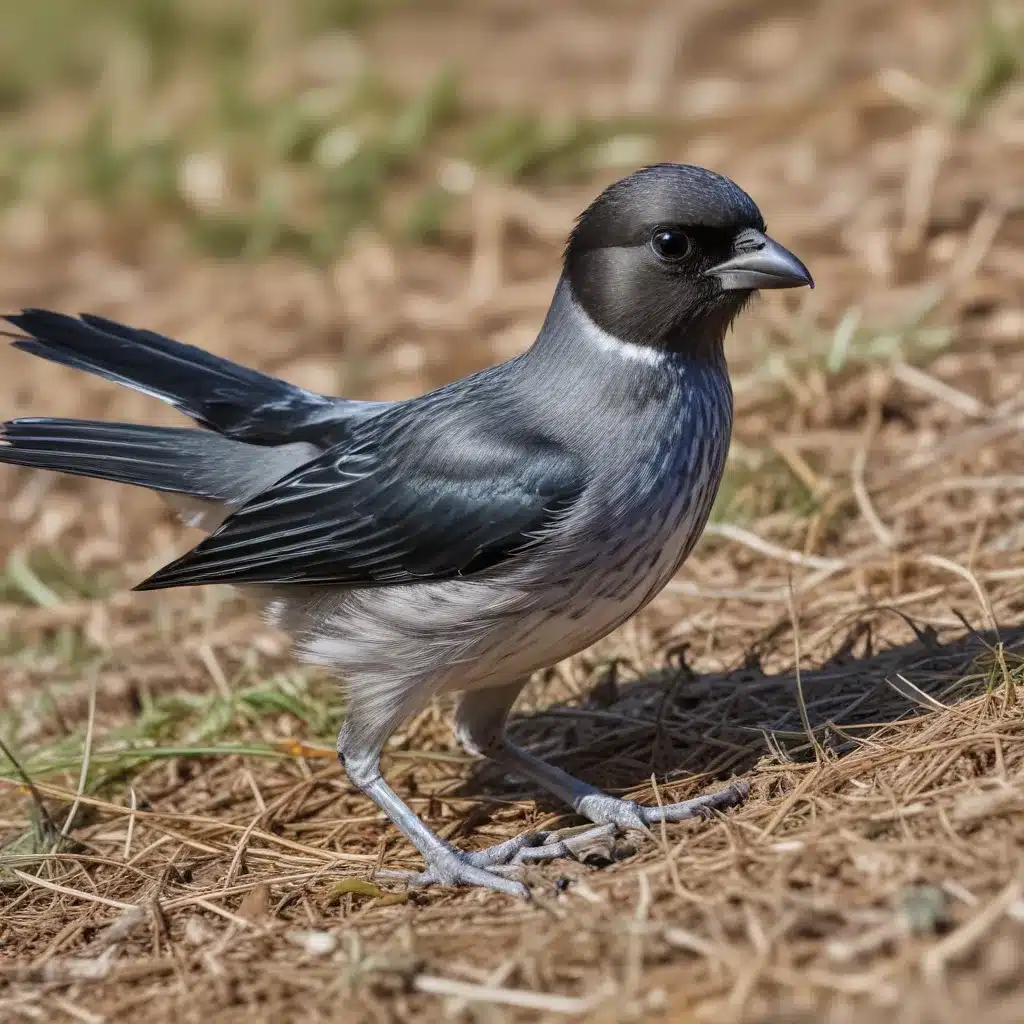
column 358, row 518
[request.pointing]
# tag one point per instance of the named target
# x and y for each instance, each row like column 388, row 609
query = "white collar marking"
column 606, row 342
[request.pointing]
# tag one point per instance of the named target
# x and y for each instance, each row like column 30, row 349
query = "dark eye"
column 670, row 244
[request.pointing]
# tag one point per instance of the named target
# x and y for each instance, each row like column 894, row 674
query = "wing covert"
column 390, row 514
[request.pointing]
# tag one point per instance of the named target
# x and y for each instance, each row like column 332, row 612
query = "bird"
column 457, row 542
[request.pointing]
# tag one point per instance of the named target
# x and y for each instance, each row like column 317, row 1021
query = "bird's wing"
column 390, row 513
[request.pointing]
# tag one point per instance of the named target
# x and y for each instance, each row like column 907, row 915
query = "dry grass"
column 847, row 636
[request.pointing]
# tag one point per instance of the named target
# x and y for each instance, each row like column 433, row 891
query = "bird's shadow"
column 673, row 723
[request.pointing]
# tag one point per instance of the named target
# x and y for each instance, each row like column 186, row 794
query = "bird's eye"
column 670, row 244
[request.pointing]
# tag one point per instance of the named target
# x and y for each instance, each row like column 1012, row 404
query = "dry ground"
column 847, row 636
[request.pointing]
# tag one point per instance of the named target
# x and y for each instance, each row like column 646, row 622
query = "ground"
column 369, row 199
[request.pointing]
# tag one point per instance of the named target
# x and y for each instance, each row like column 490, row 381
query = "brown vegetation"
column 846, row 637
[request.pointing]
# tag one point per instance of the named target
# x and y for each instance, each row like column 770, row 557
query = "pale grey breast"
column 625, row 551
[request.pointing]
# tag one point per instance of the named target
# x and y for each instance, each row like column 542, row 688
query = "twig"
column 673, row 868
column 457, row 1005
column 769, row 550
column 212, row 666
column 915, row 377
column 941, row 562
column 882, row 532
column 67, row 891
column 929, row 149
column 801, row 703
column 498, row 996
column 83, row 775
column 960, row 941
column 133, row 805
column 236, row 859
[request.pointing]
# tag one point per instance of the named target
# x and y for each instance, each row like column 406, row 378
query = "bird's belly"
column 606, row 586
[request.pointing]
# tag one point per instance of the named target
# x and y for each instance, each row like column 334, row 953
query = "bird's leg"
column 603, row 809
column 487, row 731
column 445, row 864
column 480, row 728
column 359, row 752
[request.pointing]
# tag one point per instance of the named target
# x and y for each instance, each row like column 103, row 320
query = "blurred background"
column 369, row 196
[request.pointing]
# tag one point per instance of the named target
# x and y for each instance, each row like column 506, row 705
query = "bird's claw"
column 497, row 866
column 454, row 868
column 627, row 814
column 598, row 841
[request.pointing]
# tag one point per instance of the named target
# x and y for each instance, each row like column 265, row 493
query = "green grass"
column 179, row 725
column 148, row 87
column 757, row 484
column 300, row 166
column 47, row 578
column 998, row 59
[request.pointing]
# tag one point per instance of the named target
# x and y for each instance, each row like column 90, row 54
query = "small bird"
column 461, row 540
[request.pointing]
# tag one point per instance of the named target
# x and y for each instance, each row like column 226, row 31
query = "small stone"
column 313, row 942
column 925, row 909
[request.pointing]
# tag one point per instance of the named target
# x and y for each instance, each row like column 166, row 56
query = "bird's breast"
column 635, row 530
column 642, row 537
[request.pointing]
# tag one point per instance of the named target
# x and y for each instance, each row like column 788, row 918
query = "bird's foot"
column 497, row 866
column 453, row 867
column 628, row 814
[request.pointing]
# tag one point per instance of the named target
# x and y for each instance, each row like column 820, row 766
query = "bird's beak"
column 760, row 262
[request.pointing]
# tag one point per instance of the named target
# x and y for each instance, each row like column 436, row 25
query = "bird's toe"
column 453, row 868
column 627, row 814
column 586, row 845
column 699, row 807
column 609, row 810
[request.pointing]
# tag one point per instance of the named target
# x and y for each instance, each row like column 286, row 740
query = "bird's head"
column 667, row 257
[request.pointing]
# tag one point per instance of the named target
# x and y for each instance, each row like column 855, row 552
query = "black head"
column 668, row 256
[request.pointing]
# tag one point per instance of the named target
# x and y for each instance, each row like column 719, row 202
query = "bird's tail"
column 174, row 460
column 217, row 393
column 204, row 476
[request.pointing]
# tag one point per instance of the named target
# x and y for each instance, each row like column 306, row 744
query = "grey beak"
column 760, row 262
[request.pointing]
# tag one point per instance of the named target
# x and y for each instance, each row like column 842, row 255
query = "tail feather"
column 170, row 459
column 218, row 394
column 161, row 458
